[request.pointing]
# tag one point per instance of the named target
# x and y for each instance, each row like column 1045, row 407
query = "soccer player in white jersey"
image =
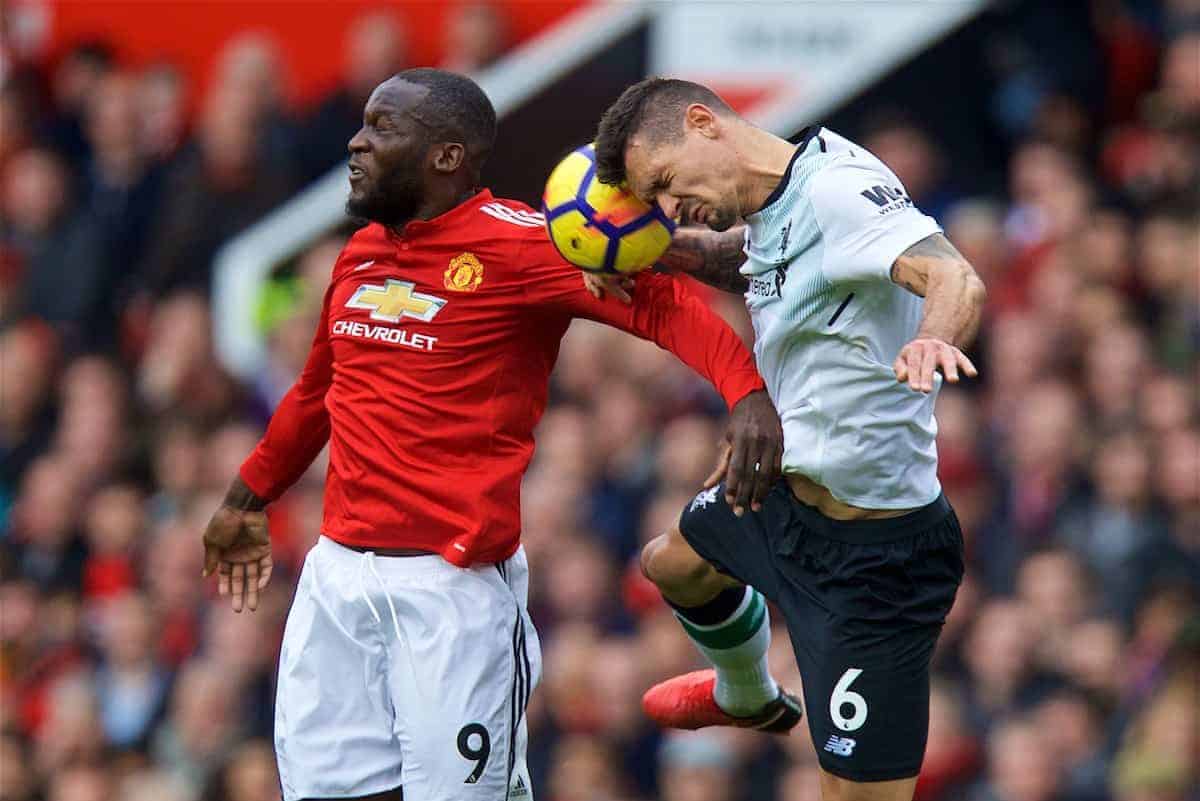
column 860, row 309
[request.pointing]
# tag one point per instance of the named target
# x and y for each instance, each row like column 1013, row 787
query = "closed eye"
column 659, row 186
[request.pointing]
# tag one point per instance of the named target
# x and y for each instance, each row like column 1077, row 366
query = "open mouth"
column 696, row 215
column 356, row 172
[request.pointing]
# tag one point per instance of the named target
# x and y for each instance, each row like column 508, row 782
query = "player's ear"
column 448, row 156
column 700, row 118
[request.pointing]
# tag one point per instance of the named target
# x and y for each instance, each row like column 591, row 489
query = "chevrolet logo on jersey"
column 395, row 300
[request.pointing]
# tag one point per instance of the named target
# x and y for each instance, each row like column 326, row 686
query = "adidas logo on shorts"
column 840, row 746
column 518, row 789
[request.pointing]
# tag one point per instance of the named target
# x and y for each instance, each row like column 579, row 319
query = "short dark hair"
column 653, row 107
column 456, row 109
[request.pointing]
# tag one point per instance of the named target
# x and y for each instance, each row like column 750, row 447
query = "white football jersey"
column 829, row 322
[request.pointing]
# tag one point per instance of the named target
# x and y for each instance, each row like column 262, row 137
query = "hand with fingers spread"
column 921, row 358
column 237, row 547
column 751, row 455
column 602, row 284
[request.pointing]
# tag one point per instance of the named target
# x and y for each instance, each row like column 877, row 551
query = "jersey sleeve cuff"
column 891, row 244
column 254, row 476
column 739, row 384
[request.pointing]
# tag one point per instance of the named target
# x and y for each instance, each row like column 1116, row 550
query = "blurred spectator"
column 999, row 655
column 43, row 525
column 250, row 67
column 121, row 187
column 1078, row 744
column 585, row 769
column 178, row 372
column 93, row 412
column 1120, row 526
column 1054, row 589
column 476, row 35
column 71, row 733
column 81, row 784
column 1020, row 766
column 1158, row 758
column 74, row 82
column 225, row 185
column 374, row 50
column 952, row 756
column 17, row 113
column 131, row 686
column 59, row 250
column 162, row 112
column 1043, row 448
column 26, row 370
column 202, row 728
column 17, row 779
column 249, row 776
column 113, row 525
column 696, row 766
column 153, row 785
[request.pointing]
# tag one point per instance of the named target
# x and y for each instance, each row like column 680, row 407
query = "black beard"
column 394, row 200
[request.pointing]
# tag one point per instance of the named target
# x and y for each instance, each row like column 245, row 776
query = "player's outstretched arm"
column 954, row 296
column 713, row 257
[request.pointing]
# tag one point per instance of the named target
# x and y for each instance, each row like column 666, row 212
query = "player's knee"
column 681, row 574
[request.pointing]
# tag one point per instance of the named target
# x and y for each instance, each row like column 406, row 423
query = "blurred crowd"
column 1069, row 669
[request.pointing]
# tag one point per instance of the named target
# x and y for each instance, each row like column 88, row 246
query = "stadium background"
column 1057, row 142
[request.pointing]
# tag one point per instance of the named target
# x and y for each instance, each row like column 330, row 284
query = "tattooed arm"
column 954, row 297
column 709, row 256
column 934, row 269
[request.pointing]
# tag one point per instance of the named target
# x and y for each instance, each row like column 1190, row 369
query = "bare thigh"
column 835, row 788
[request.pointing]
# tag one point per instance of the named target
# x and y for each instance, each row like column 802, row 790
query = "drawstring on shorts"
column 368, row 561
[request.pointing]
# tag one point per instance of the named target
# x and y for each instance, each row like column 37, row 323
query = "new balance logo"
column 702, row 500
column 525, row 219
column 887, row 198
column 840, row 746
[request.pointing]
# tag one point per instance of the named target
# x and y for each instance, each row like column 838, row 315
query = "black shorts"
column 864, row 602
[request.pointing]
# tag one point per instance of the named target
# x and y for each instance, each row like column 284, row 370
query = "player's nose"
column 358, row 142
column 668, row 204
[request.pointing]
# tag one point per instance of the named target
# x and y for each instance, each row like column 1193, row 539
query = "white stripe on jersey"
column 514, row 216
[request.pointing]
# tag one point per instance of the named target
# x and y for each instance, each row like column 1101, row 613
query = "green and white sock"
column 733, row 631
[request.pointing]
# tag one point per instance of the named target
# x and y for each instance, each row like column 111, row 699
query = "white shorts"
column 406, row 671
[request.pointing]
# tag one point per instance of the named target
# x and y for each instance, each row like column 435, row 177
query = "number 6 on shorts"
column 843, row 695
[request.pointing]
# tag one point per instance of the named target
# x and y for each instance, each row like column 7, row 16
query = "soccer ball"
column 598, row 227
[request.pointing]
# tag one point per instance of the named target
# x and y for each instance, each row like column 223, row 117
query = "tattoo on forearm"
column 911, row 270
column 934, row 269
column 713, row 258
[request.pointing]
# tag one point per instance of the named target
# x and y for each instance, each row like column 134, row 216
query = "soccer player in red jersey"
column 408, row 655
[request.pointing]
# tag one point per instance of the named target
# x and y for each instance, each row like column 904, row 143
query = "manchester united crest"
column 465, row 273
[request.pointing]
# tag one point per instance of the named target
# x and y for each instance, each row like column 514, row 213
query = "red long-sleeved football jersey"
column 430, row 368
